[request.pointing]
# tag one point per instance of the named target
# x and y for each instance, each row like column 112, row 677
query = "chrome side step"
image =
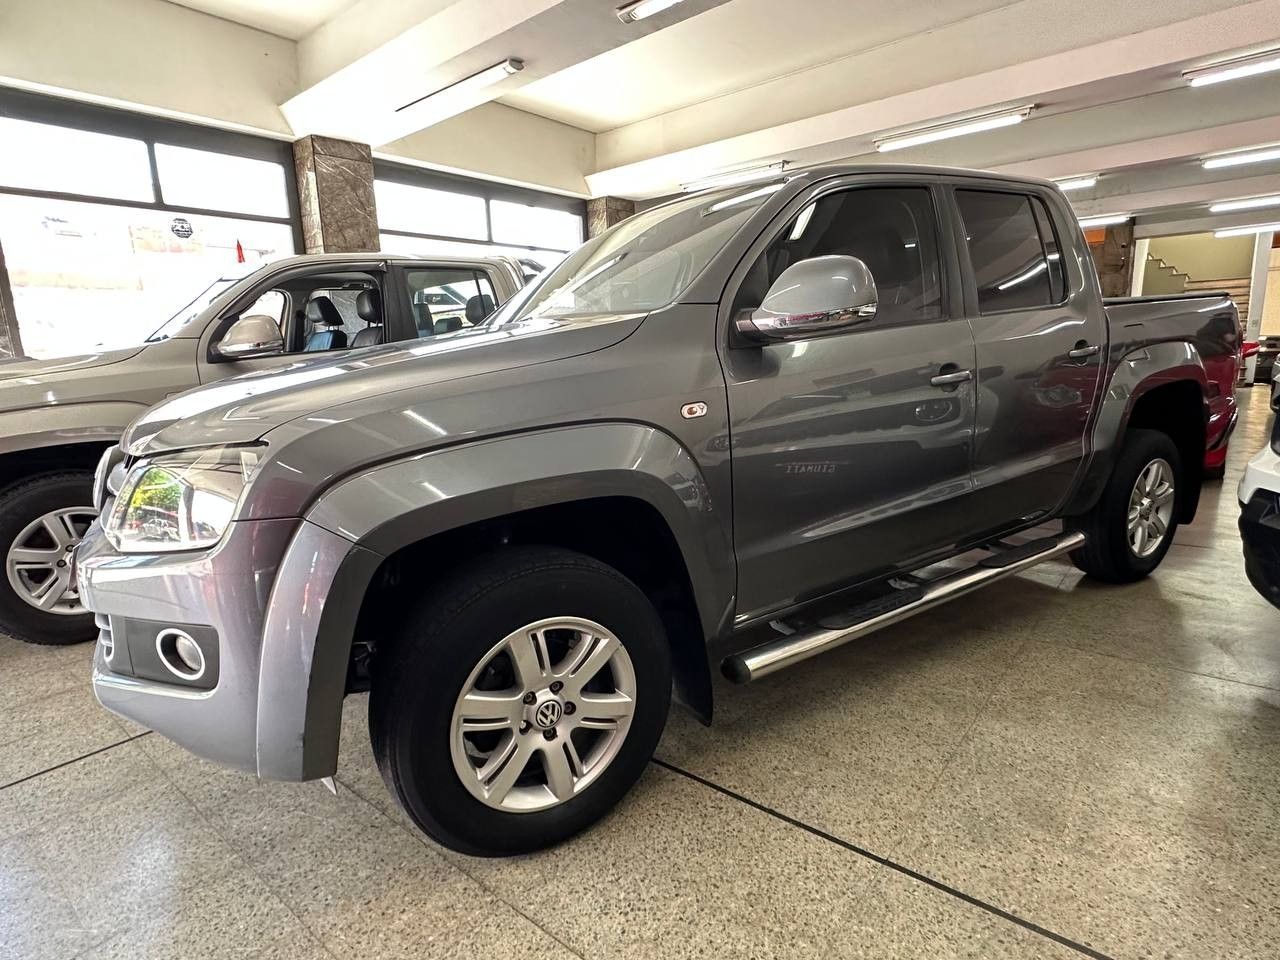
column 790, row 649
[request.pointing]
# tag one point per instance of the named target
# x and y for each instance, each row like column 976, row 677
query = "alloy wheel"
column 39, row 560
column 1150, row 507
column 543, row 714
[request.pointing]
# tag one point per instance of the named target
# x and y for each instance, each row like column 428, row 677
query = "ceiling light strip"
column 645, row 8
column 731, row 178
column 1104, row 220
column 1245, row 231
column 1243, row 157
column 955, row 128
column 1268, row 61
column 1078, row 183
column 477, row 81
column 1249, row 203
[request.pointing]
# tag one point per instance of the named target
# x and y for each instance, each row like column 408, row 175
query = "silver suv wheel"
column 39, row 560
column 542, row 715
column 1150, row 507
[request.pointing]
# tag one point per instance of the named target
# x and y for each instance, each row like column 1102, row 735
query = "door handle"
column 1083, row 350
column 951, row 378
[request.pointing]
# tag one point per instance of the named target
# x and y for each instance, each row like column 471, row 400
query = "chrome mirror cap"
column 256, row 335
column 816, row 296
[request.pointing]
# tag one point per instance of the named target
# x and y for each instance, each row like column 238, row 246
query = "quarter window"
column 1015, row 266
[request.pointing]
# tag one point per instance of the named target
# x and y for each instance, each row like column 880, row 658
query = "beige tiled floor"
column 1102, row 764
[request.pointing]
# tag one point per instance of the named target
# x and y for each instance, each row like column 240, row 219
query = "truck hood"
column 30, row 367
column 244, row 409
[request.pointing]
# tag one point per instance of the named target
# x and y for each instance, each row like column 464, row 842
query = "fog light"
column 180, row 654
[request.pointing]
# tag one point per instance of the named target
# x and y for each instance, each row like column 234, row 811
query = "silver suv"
column 58, row 416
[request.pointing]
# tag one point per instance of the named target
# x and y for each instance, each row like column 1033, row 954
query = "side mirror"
column 479, row 307
column 814, row 297
column 253, row 336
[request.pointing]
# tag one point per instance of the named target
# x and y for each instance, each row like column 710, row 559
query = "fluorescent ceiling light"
column 1103, row 220
column 1236, row 159
column 1078, row 183
column 1250, row 66
column 733, row 177
column 1245, row 231
column 1250, row 203
column 456, row 93
column 956, row 128
column 645, row 8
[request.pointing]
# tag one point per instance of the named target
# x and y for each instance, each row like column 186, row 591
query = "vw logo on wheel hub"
column 548, row 714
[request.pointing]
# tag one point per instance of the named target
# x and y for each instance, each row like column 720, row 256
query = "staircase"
column 1165, row 278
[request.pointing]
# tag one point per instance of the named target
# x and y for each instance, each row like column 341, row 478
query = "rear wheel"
column 520, row 701
column 41, row 522
column 1131, row 527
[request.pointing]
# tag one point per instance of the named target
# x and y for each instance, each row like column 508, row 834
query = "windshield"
column 192, row 308
column 644, row 263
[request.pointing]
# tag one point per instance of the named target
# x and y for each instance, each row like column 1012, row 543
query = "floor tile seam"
column 497, row 895
column 67, row 763
column 1057, row 642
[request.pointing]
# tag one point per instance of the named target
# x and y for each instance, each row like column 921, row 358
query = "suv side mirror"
column 811, row 298
column 256, row 335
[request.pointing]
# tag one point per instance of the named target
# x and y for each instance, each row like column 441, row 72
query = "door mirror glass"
column 253, row 335
column 816, row 296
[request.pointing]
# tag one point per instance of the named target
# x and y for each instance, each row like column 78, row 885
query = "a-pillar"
column 604, row 212
column 10, row 341
column 335, row 195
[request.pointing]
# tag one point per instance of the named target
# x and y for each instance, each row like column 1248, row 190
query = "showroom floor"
column 1049, row 768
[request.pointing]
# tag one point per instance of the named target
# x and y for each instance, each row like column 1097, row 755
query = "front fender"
column 382, row 509
column 54, row 425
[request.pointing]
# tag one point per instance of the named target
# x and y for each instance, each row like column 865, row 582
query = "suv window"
column 1015, row 265
column 893, row 230
column 440, row 297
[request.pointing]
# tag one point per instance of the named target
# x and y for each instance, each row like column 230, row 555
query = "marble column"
column 10, row 341
column 1114, row 261
column 604, row 212
column 335, row 195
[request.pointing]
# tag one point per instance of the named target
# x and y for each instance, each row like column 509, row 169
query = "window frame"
column 386, row 168
column 40, row 108
column 969, row 278
column 950, row 301
column 399, row 275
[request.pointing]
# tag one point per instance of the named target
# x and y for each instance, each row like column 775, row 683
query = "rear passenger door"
column 1040, row 340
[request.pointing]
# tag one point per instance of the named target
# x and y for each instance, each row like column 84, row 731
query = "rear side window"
column 1015, row 256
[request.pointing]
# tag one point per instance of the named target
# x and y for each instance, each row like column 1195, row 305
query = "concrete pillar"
column 1140, row 252
column 1113, row 260
column 10, row 341
column 1257, row 295
column 604, row 212
column 335, row 195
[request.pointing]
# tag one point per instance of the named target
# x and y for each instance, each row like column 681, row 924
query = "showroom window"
column 111, row 221
column 1015, row 266
column 422, row 213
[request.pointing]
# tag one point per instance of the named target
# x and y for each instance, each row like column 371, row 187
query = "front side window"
column 892, row 230
column 1012, row 267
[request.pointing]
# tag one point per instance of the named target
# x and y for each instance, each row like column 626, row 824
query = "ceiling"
column 707, row 86
column 292, row 19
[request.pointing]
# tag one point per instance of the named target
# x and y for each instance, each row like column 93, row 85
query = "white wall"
column 1271, row 308
column 150, row 54
column 505, row 144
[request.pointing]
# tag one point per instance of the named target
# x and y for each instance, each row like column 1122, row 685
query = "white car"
column 1260, row 513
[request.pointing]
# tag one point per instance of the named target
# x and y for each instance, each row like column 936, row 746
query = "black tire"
column 20, row 505
column 419, row 674
column 1107, row 554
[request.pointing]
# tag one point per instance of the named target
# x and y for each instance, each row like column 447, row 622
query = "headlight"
column 180, row 501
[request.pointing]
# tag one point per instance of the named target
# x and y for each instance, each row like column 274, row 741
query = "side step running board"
column 784, row 651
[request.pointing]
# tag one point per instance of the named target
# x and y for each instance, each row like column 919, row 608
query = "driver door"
column 849, row 458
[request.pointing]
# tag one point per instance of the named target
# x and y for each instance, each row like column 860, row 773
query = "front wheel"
column 41, row 521
column 1131, row 527
column 520, row 701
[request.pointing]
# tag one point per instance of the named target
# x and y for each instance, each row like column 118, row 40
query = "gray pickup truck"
column 734, row 431
column 58, row 416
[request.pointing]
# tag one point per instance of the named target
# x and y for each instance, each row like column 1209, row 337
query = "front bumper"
column 255, row 603
column 1260, row 523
